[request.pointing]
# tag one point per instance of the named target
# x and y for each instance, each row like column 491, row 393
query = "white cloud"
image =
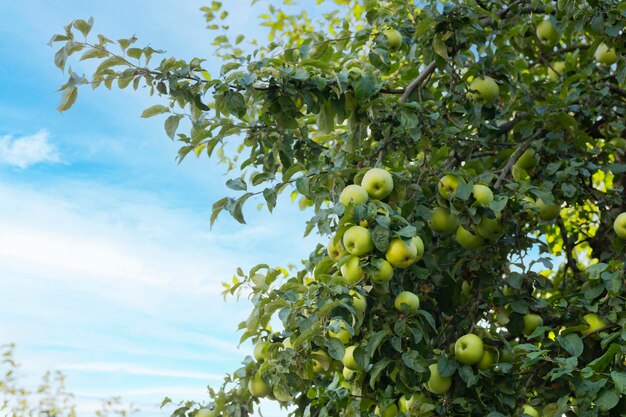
column 132, row 369
column 29, row 150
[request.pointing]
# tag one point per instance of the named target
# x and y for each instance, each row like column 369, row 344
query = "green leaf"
column 235, row 103
column 335, row 348
column 237, row 184
column 607, row 399
column 171, row 125
column 68, row 98
column 365, row 87
column 572, row 343
column 109, row 63
column 326, row 118
column 154, row 110
column 94, row 53
column 218, row 206
column 440, row 47
column 380, row 237
column 84, row 26
column 619, row 379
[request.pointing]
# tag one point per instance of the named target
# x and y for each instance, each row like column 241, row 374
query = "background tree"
column 499, row 131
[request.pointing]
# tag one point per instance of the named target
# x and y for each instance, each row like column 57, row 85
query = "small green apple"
column 336, row 250
column 261, row 351
column 484, row 89
column 594, row 323
column 353, row 193
column 358, row 241
column 468, row 349
column 547, row 33
column 394, row 39
column 489, row 228
column 556, row 70
column 482, row 194
column 384, row 271
column 545, row 211
column 407, row 300
column 443, row 221
column 390, row 411
column 320, row 361
column 419, row 245
column 348, row 359
column 351, row 271
column 527, row 160
column 401, row 254
column 359, row 302
column 605, row 55
column 619, row 225
column 437, row 384
column 206, row 412
column 468, row 239
column 531, row 322
column 258, row 387
column 348, row 374
column 343, row 334
column 447, row 185
column 486, row 361
column 530, row 410
column 378, row 183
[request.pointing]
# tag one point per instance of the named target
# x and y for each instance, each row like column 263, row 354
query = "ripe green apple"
column 619, row 225
column 348, row 359
column 407, row 300
column 404, row 404
column 547, row 33
column 545, row 211
column 489, row 228
column 556, row 70
column 468, row 239
column 394, row 39
column 531, row 322
column 351, row 271
column 348, row 374
column 343, row 334
column 359, row 302
column 530, row 410
column 258, row 387
column 261, row 351
column 384, row 271
column 443, row 221
column 320, row 361
column 482, row 194
column 605, row 55
column 437, row 384
column 390, row 411
column 484, row 89
column 206, row 412
column 486, row 361
column 336, row 251
column 468, row 349
column 378, row 183
column 401, row 254
column 447, row 185
column 527, row 159
column 419, row 245
column 353, row 193
column 358, row 241
column 594, row 323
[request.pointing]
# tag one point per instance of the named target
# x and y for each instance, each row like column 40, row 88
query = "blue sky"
column 108, row 270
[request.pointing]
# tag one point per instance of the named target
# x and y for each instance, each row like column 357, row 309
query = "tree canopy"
column 465, row 165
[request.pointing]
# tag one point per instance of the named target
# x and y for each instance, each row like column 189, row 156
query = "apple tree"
column 465, row 163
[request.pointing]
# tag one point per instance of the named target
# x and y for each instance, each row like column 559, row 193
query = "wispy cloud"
column 28, row 150
column 132, row 369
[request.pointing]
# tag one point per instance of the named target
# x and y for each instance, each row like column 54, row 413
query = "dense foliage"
column 525, row 99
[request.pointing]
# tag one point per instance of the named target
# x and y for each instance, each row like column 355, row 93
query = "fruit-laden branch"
column 512, row 160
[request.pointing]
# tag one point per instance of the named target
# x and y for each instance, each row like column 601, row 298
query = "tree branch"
column 506, row 127
column 430, row 68
column 509, row 165
column 615, row 89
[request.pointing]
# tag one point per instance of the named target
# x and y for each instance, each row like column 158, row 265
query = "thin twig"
column 430, row 68
column 509, row 165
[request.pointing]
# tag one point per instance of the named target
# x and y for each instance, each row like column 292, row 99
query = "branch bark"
column 509, row 165
column 430, row 68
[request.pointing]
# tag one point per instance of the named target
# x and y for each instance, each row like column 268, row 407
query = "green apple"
column 486, row 361
column 343, row 333
column 394, row 39
column 207, row 412
column 619, row 143
column 384, row 271
column 378, row 183
column 351, row 271
column 404, row 404
column 359, row 302
column 348, row 359
column 437, row 384
column 556, row 70
column 407, row 300
column 258, row 387
column 468, row 349
column 482, row 194
column 443, row 221
column 353, row 193
column 261, row 351
column 547, row 33
column 530, row 410
column 447, row 185
column 401, row 254
column 545, row 211
column 484, row 89
column 531, row 322
column 619, row 225
column 390, row 411
column 489, row 228
column 419, row 245
column 336, row 250
column 348, row 374
column 550, row 410
column 594, row 323
column 605, row 55
column 358, row 241
column 468, row 239
column 527, row 160
column 320, row 361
